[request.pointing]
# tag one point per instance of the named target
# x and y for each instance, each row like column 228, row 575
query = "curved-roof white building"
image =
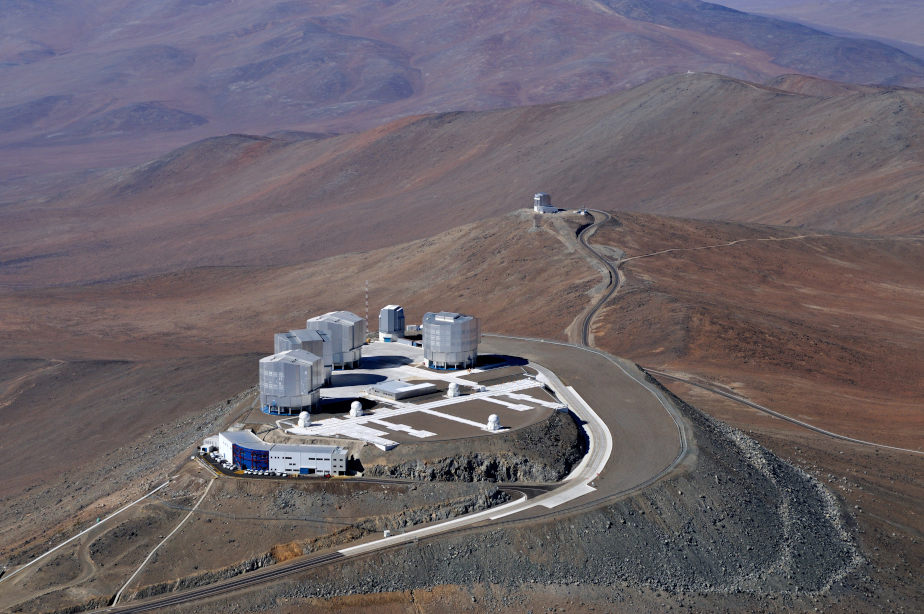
column 290, row 382
column 345, row 333
column 450, row 340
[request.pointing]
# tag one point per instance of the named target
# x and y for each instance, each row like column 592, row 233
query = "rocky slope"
column 736, row 523
column 543, row 452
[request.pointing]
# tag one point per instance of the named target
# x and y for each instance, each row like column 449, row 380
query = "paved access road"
column 649, row 437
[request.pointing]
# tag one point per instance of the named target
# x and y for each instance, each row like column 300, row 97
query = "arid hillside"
column 824, row 327
column 122, row 359
column 898, row 20
column 701, row 146
column 99, row 83
column 821, row 326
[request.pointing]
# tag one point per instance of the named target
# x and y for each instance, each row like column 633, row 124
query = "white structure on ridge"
column 290, row 381
column 391, row 322
column 542, row 203
column 450, row 340
column 493, row 423
column 345, row 333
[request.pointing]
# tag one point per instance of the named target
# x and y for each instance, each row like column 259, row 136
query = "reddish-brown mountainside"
column 91, row 83
column 824, row 328
column 898, row 20
column 700, row 146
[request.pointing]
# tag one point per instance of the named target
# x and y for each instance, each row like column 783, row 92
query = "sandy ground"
column 795, row 325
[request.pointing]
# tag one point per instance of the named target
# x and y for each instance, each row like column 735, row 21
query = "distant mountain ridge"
column 699, row 145
column 91, row 83
column 898, row 21
column 805, row 50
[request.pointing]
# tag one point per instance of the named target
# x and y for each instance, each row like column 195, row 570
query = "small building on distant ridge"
column 542, row 203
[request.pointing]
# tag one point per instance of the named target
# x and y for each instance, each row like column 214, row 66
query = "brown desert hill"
column 116, row 365
column 96, row 83
column 897, row 20
column 796, row 324
column 823, row 327
column 702, row 146
column 211, row 322
column 806, row 50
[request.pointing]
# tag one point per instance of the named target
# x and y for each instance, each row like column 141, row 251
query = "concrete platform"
column 511, row 393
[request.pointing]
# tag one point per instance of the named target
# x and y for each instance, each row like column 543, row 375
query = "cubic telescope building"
column 290, row 382
column 311, row 341
column 344, row 333
column 450, row 340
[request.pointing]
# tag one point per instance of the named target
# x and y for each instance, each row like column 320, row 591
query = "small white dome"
column 493, row 423
column 453, row 390
column 304, row 419
column 356, row 409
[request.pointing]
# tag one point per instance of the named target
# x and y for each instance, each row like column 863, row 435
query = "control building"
column 450, row 340
column 305, row 460
column 391, row 322
column 290, row 382
column 311, row 341
column 542, row 203
column 345, row 333
column 248, row 451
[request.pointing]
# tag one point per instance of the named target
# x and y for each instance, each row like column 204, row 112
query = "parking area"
column 219, row 465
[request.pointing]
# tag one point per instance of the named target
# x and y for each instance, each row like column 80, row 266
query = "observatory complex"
column 450, row 340
column 290, row 381
column 345, row 333
column 401, row 393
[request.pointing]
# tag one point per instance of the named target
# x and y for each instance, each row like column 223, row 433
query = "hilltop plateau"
column 523, row 274
column 100, row 83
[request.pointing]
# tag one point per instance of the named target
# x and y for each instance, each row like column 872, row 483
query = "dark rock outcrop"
column 543, row 452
